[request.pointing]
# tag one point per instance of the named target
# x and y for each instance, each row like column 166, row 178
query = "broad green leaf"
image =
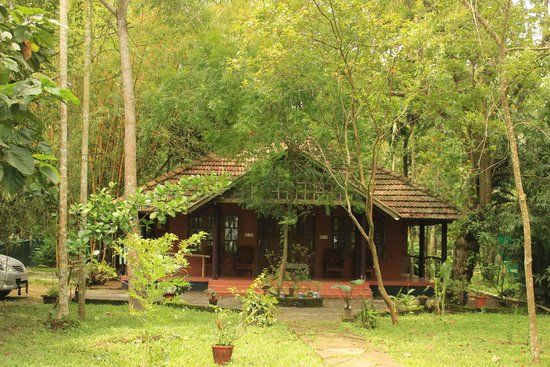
column 44, row 157
column 20, row 158
column 50, row 172
column 68, row 96
column 12, row 181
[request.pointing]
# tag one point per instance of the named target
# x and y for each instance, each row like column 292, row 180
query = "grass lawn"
column 459, row 340
column 111, row 337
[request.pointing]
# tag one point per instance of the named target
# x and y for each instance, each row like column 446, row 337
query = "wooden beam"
column 216, row 241
column 443, row 242
column 422, row 252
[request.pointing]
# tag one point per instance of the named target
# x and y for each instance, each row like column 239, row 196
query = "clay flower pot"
column 169, row 296
column 222, row 353
column 481, row 301
column 213, row 301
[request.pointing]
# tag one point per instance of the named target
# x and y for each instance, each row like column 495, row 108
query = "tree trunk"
column 130, row 169
column 284, row 257
column 84, row 150
column 62, row 262
column 130, row 141
column 524, row 209
column 501, row 42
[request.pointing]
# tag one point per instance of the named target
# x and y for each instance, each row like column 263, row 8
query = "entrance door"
column 300, row 241
column 268, row 243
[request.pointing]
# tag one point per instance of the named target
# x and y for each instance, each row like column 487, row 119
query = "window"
column 344, row 234
column 206, row 224
column 231, row 232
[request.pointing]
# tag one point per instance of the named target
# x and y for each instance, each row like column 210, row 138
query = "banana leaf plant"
column 347, row 290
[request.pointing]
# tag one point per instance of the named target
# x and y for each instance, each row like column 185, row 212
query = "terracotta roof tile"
column 408, row 200
column 393, row 191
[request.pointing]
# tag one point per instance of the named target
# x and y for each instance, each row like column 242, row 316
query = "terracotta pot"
column 222, row 353
column 481, row 301
column 213, row 301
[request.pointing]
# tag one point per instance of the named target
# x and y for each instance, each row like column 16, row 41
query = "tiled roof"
column 409, row 201
column 393, row 193
column 207, row 165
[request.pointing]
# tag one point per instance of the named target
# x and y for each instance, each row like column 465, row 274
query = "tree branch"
column 108, row 6
column 483, row 22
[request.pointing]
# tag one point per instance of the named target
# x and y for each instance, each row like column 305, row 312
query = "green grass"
column 459, row 340
column 111, row 337
column 42, row 275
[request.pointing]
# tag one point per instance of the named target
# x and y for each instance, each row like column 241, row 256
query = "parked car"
column 13, row 275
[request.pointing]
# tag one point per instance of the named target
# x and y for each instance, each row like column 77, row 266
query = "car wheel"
column 4, row 294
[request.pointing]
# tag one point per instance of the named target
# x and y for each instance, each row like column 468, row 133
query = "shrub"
column 228, row 327
column 406, row 302
column 99, row 272
column 258, row 308
column 347, row 291
column 44, row 253
column 368, row 316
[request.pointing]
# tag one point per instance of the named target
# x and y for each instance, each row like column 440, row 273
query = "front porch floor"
column 222, row 285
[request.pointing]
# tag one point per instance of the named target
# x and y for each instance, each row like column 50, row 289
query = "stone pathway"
column 342, row 350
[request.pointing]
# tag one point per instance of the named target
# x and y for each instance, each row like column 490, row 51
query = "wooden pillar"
column 422, row 252
column 216, row 241
column 443, row 242
column 363, row 248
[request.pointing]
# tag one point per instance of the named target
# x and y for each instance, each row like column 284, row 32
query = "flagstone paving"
column 340, row 349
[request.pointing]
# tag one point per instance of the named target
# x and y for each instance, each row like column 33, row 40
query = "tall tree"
column 130, row 170
column 88, row 16
column 501, row 38
column 62, row 260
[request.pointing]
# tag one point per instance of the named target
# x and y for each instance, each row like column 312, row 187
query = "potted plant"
column 51, row 296
column 212, row 296
column 294, row 286
column 227, row 329
column 347, row 290
column 317, row 287
column 480, row 300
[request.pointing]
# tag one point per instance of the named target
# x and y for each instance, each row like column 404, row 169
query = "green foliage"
column 44, row 253
column 99, row 272
column 441, row 277
column 108, row 218
column 228, row 327
column 367, row 316
column 53, row 291
column 156, row 264
column 347, row 290
column 406, row 303
column 258, row 308
column 498, row 277
column 26, row 42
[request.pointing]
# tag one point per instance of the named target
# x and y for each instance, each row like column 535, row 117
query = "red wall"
column 395, row 237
